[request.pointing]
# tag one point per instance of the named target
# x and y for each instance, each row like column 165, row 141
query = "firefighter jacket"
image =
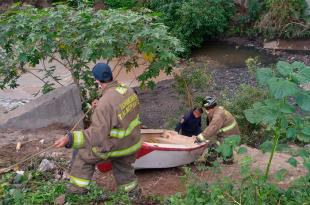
column 114, row 129
column 222, row 124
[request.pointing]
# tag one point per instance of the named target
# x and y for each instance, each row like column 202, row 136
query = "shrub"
column 245, row 96
column 120, row 3
column 285, row 19
column 75, row 38
column 189, row 81
column 194, row 20
column 251, row 190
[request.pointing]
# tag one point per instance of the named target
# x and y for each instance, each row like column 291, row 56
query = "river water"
column 219, row 55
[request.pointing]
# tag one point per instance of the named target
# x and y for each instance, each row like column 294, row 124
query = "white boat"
column 163, row 149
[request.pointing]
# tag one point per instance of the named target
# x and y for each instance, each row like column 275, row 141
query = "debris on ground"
column 46, row 165
column 60, row 200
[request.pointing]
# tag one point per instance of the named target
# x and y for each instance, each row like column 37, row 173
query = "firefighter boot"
column 228, row 161
column 135, row 194
column 212, row 154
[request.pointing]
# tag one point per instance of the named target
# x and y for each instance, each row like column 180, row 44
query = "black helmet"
column 209, row 102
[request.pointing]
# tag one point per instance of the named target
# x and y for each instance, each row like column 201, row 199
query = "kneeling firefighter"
column 221, row 124
column 114, row 135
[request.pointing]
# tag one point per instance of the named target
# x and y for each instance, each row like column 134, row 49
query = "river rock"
column 46, row 165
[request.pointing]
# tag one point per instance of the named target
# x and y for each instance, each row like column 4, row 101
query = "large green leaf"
column 242, row 150
column 291, row 133
column 252, row 116
column 280, row 88
column 307, row 165
column 304, row 138
column 284, row 68
column 306, row 131
column 261, row 113
column 233, row 140
column 263, row 75
column 266, row 146
column 301, row 72
column 226, row 150
column 303, row 100
column 286, row 108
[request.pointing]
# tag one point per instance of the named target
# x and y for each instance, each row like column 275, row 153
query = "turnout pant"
column 84, row 163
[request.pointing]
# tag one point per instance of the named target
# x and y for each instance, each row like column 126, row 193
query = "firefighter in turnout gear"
column 114, row 135
column 221, row 124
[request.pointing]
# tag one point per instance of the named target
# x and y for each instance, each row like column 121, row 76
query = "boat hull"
column 163, row 155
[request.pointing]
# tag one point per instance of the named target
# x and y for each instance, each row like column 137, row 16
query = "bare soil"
column 166, row 182
column 163, row 182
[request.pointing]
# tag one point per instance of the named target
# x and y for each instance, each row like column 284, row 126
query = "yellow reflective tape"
column 79, row 181
column 130, row 186
column 78, row 139
column 229, row 127
column 130, row 103
column 121, row 89
column 201, row 137
column 118, row 153
column 118, row 133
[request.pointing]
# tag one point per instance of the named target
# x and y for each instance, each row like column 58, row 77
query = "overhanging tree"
column 76, row 37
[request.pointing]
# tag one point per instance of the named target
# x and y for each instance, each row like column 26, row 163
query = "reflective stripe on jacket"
column 115, row 124
column 222, row 124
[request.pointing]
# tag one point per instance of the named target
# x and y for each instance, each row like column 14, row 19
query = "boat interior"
column 165, row 137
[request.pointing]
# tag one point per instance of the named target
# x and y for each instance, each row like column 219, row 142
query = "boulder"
column 61, row 106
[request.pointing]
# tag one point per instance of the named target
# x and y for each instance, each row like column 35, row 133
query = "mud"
column 30, row 143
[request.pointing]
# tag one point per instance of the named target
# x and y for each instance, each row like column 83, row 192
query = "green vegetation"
column 279, row 112
column 251, row 190
column 285, row 19
column 273, row 19
column 189, row 81
column 76, row 37
column 42, row 188
column 195, row 20
column 244, row 97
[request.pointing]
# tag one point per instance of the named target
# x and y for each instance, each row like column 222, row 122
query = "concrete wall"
column 61, row 106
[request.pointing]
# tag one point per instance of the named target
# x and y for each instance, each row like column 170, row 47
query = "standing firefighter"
column 113, row 135
column 221, row 124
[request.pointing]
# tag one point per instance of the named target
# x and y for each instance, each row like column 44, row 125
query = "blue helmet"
column 102, row 72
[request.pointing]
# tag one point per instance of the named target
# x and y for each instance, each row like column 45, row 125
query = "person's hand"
column 94, row 103
column 61, row 142
column 200, row 138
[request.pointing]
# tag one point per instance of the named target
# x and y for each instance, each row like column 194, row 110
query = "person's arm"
column 103, row 119
column 179, row 125
column 214, row 126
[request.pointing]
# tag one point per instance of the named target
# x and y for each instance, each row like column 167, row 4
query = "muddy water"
column 223, row 55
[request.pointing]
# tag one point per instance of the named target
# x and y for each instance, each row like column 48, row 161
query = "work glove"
column 200, row 138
